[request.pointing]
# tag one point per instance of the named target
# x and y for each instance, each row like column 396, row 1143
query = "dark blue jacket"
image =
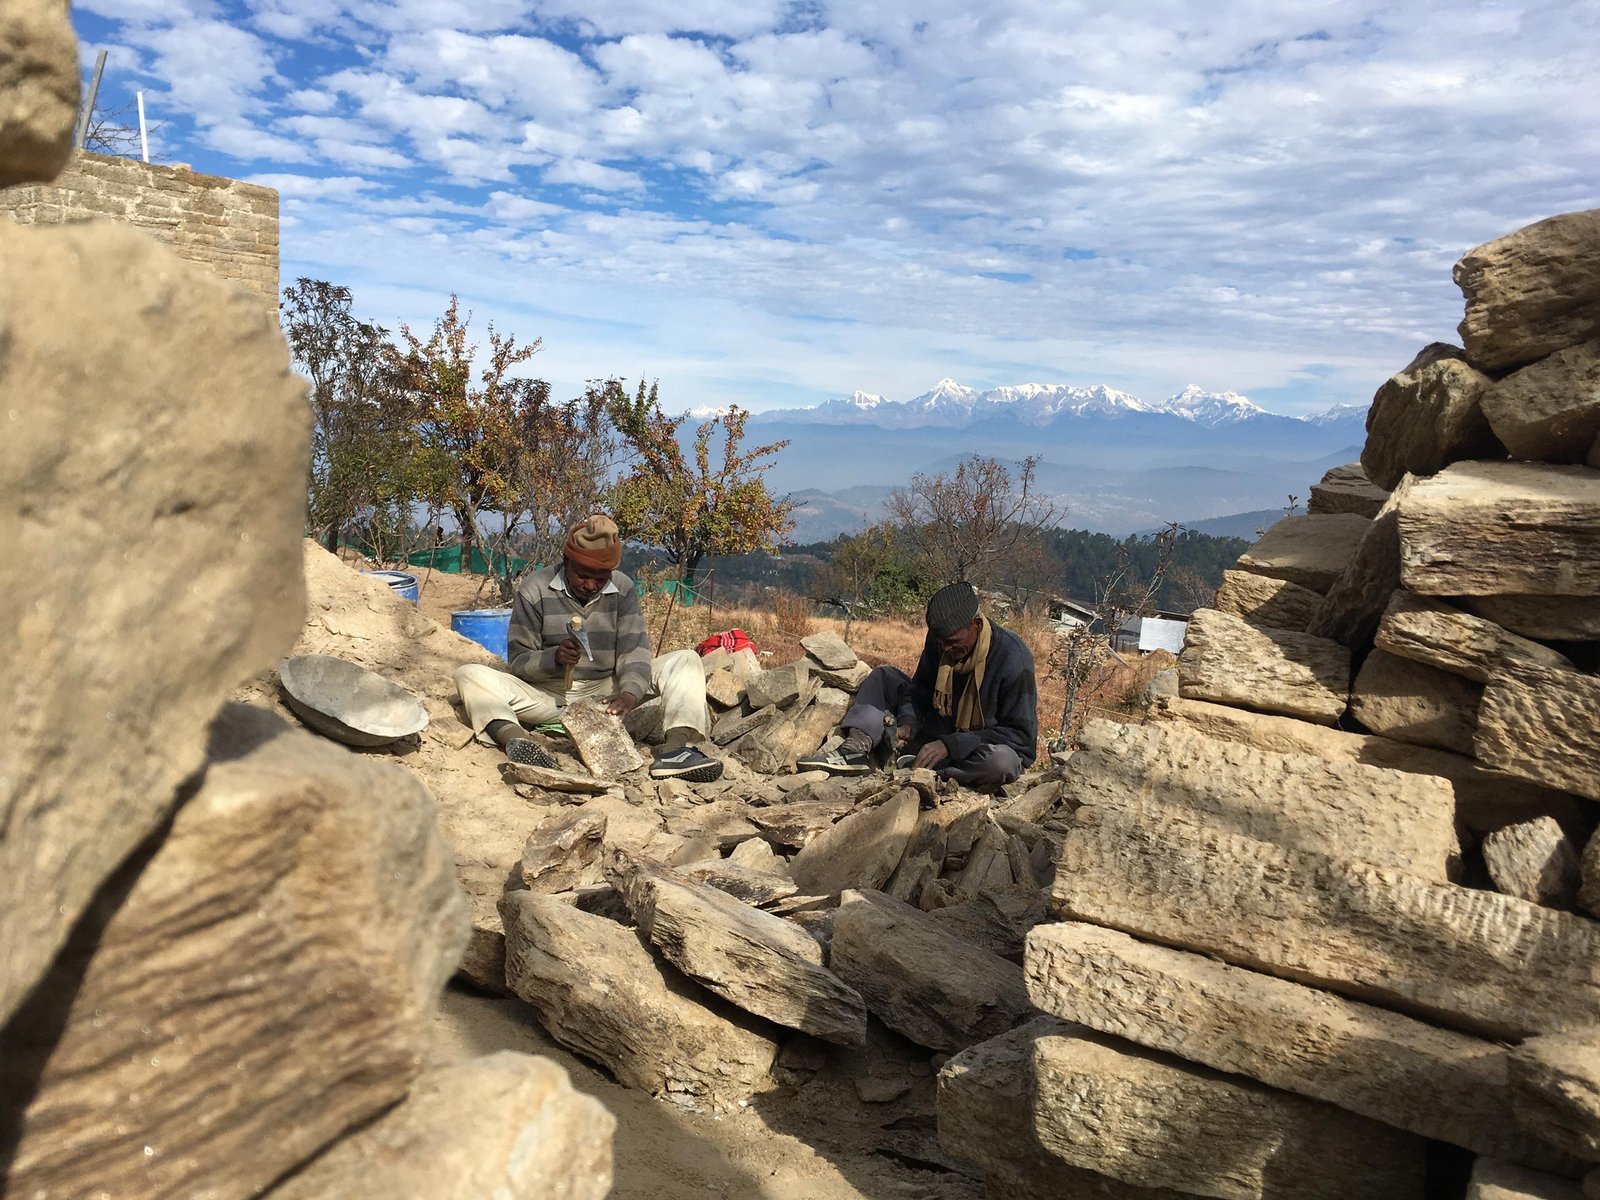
column 1009, row 697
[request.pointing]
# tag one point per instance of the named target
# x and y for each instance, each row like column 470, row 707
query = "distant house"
column 1069, row 614
column 1162, row 633
column 1156, row 631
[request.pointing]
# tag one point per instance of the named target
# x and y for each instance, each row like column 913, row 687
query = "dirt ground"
column 814, row 1139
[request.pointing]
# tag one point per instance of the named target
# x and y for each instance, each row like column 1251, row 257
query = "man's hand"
column 621, row 704
column 567, row 653
column 902, row 735
column 934, row 754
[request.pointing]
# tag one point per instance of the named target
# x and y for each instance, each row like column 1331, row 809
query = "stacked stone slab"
column 225, row 939
column 1235, row 912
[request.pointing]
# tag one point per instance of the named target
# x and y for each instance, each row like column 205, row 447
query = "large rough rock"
column 1354, row 604
column 508, row 1126
column 561, row 849
column 829, row 651
column 780, row 686
column 1338, row 808
column 601, row 993
column 921, row 979
column 1310, row 551
column 1555, row 1090
column 986, row 1119
column 1559, row 618
column 1261, row 600
column 1543, row 725
column 1427, row 417
column 1485, row 799
column 1433, row 632
column 1494, row 1180
column 1533, row 860
column 38, row 90
column 1411, row 702
column 1549, row 410
column 153, row 560
column 1147, row 1119
column 1532, row 292
column 762, row 963
column 1228, row 660
column 1497, row 528
column 860, row 851
column 1397, row 1070
column 1346, row 489
column 246, row 990
column 1476, row 961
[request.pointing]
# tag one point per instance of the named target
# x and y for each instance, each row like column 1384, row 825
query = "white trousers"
column 490, row 694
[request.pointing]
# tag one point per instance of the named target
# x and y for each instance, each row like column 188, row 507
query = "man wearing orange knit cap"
column 540, row 650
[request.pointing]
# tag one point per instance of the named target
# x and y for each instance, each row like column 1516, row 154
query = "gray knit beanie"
column 951, row 608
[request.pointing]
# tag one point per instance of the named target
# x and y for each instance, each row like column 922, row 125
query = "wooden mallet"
column 573, row 628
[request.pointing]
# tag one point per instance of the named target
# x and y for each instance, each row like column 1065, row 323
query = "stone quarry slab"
column 794, row 823
column 153, row 555
column 561, row 849
column 1549, row 410
column 1310, row 551
column 38, row 90
column 1532, row 292
column 986, row 1119
column 1485, row 799
column 1559, row 618
column 1350, row 612
column 847, row 680
column 1493, row 1180
column 779, row 686
column 1228, row 660
column 861, row 851
column 1543, row 725
column 1438, row 634
column 759, row 962
column 1261, row 600
column 506, row 1125
column 1496, row 528
column 919, row 978
column 1155, row 1121
column 548, row 779
column 829, row 651
column 1473, row 960
column 1555, row 1090
column 602, row 994
column 765, row 749
column 1426, row 417
column 1533, row 860
column 245, row 991
column 734, row 724
column 1411, row 702
column 724, row 689
column 1346, row 489
column 998, row 921
column 743, row 884
column 1343, row 809
column 809, row 728
column 1392, row 1068
column 601, row 740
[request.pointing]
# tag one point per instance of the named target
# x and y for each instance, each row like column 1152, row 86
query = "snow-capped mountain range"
column 950, row 404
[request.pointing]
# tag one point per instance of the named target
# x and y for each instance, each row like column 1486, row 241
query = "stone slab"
column 1226, row 659
column 1472, row 960
column 1262, row 600
column 1555, row 1090
column 1543, row 725
column 779, row 686
column 861, row 851
column 1412, row 702
column 1346, row 489
column 1533, row 860
column 829, row 651
column 601, row 740
column 1498, row 528
column 1558, row 618
column 1310, row 550
column 1492, row 1180
column 1440, row 635
column 1350, row 612
column 1426, row 417
column 1549, row 410
column 561, row 850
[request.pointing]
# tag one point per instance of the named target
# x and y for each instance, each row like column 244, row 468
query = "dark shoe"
column 687, row 764
column 529, row 753
column 846, row 760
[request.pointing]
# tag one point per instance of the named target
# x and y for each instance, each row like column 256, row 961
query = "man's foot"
column 848, row 759
column 529, row 753
column 687, row 764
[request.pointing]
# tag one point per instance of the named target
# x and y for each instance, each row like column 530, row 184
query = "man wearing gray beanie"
column 970, row 712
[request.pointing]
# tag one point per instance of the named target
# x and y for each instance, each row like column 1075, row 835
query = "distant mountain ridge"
column 952, row 405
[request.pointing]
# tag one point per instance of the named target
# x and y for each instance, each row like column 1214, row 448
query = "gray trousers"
column 882, row 693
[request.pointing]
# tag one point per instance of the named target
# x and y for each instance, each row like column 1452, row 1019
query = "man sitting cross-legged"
column 970, row 711
column 540, row 650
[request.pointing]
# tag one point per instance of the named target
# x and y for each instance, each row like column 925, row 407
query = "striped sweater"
column 613, row 620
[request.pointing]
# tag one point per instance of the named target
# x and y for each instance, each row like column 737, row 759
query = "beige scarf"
column 969, row 714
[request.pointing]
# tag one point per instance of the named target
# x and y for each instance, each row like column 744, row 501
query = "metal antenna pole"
column 144, row 140
column 88, row 101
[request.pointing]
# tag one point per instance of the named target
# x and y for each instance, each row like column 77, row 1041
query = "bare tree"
column 966, row 524
column 116, row 131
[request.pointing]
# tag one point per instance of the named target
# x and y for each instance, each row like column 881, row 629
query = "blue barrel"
column 486, row 626
column 400, row 583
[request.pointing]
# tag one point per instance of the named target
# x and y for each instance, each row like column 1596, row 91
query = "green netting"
column 448, row 560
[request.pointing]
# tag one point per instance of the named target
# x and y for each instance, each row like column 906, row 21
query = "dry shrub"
column 791, row 616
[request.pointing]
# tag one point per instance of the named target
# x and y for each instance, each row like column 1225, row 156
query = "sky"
column 773, row 204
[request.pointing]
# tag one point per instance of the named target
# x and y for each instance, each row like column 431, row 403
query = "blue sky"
column 776, row 203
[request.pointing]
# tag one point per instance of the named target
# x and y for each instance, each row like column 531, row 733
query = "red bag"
column 731, row 640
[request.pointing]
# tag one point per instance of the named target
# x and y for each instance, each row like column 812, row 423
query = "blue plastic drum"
column 400, row 583
column 486, row 626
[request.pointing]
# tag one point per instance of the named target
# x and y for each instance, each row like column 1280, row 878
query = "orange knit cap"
column 594, row 543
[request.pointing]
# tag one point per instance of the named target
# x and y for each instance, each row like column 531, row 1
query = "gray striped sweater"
column 613, row 620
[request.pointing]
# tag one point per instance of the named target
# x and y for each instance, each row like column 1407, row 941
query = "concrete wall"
column 229, row 226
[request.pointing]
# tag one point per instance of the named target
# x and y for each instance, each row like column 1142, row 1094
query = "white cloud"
column 593, row 175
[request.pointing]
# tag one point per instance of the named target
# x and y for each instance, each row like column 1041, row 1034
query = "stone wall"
column 224, row 224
